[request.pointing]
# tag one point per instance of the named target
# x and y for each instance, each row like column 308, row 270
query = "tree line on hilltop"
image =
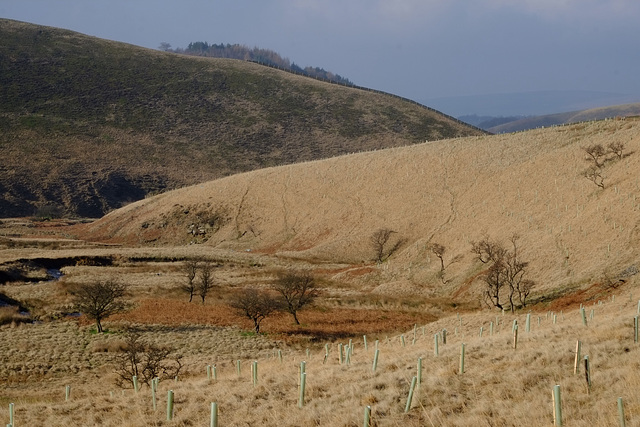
column 245, row 53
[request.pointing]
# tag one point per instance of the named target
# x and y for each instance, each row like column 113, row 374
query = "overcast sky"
column 419, row 49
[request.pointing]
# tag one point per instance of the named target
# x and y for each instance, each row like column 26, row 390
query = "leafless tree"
column 506, row 272
column 100, row 300
column 616, row 148
column 439, row 250
column 206, row 280
column 146, row 361
column 190, row 271
column 255, row 305
column 594, row 174
column 381, row 244
column 296, row 289
column 596, row 154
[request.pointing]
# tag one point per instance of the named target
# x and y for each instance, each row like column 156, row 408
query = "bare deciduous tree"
column 190, row 271
column 255, row 305
column 597, row 154
column 381, row 244
column 616, row 148
column 146, row 361
column 100, row 300
column 506, row 272
column 594, row 174
column 206, row 280
column 439, row 250
column 296, row 289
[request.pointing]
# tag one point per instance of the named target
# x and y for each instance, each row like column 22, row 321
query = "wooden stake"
column 576, row 363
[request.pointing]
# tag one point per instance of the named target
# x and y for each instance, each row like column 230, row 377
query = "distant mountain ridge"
column 528, row 103
column 87, row 125
column 567, row 118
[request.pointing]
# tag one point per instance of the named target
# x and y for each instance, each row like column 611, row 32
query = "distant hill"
column 450, row 192
column 87, row 125
column 262, row 56
column 534, row 103
column 566, row 118
column 487, row 122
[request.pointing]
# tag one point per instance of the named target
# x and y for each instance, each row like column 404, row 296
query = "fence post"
column 419, row 374
column 584, row 316
column 515, row 338
column 214, row 415
column 435, row 345
column 557, row 406
column 621, row 417
column 67, row 393
column 527, row 327
column 462, row 358
column 11, row 410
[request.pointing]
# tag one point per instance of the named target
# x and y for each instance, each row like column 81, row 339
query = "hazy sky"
column 419, row 49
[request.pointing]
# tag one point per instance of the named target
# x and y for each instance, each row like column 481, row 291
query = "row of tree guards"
column 345, row 353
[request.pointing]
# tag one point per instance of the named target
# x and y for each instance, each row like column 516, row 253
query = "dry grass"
column 319, row 323
column 449, row 192
column 319, row 218
column 500, row 386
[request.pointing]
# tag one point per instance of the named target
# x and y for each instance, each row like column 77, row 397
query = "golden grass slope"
column 450, row 192
column 500, row 386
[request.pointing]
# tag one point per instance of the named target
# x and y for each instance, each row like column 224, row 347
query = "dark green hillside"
column 88, row 124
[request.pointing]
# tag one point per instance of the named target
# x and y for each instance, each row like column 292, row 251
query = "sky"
column 418, row 49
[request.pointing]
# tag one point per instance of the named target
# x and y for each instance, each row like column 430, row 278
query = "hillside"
column 88, row 125
column 449, row 192
column 625, row 110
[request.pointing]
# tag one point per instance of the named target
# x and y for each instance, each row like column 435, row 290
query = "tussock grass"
column 500, row 386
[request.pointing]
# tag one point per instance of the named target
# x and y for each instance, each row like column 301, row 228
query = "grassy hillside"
column 500, row 385
column 566, row 118
column 89, row 124
column 449, row 192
